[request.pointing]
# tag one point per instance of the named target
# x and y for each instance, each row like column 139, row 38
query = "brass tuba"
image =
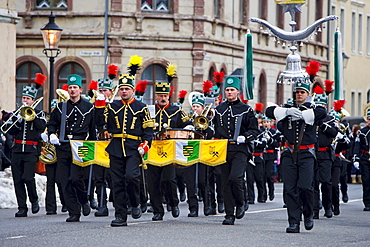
column 201, row 122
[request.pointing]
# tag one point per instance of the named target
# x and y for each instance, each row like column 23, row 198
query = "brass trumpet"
column 201, row 122
column 26, row 112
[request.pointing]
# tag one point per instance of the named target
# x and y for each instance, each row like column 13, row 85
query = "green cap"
column 198, row 99
column 126, row 80
column 29, row 91
column 335, row 114
column 232, row 81
column 302, row 85
column 264, row 118
column 162, row 87
column 74, row 80
column 105, row 83
column 321, row 99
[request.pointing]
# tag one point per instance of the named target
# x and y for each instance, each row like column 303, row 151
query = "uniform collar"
column 164, row 107
column 235, row 102
column 75, row 103
column 128, row 102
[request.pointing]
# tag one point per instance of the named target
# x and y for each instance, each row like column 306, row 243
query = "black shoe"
column 293, row 228
column 285, row 206
column 21, row 213
column 93, row 204
column 336, row 210
column 316, row 215
column 193, row 214
column 272, row 197
column 250, row 202
column 143, row 207
column 51, row 212
column 328, row 213
column 150, row 210
column 240, row 211
column 73, row 218
column 64, row 209
column 229, row 220
column 308, row 223
column 200, row 198
column 246, row 206
column 221, row 207
column 157, row 217
column 136, row 212
column 175, row 211
column 261, row 201
column 35, row 207
column 169, row 208
column 366, row 208
column 213, row 212
column 182, row 197
column 86, row 209
column 345, row 198
column 118, row 222
column 102, row 212
column 129, row 210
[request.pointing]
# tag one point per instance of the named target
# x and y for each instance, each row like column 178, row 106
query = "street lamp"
column 51, row 34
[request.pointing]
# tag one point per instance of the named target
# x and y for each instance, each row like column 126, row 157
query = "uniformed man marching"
column 235, row 121
column 72, row 120
column 298, row 125
column 129, row 122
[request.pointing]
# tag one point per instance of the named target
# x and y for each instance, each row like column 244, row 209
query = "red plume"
column 328, row 86
column 313, row 67
column 245, row 101
column 338, row 104
column 258, row 108
column 207, row 86
column 65, row 87
column 182, row 95
column 39, row 80
column 218, row 77
column 172, row 89
column 318, row 89
column 141, row 87
column 112, row 71
column 93, row 85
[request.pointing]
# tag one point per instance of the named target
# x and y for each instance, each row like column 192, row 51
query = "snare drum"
column 179, row 134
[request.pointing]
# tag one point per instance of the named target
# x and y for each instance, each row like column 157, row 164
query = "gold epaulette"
column 148, row 124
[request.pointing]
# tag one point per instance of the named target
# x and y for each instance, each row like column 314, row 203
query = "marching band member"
column 297, row 124
column 26, row 149
column 362, row 157
column 235, row 121
column 132, row 129
column 72, row 120
column 166, row 116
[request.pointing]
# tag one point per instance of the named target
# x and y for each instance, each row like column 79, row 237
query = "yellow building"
column 199, row 36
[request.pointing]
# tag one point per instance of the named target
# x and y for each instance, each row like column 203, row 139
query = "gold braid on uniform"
column 184, row 117
column 148, row 122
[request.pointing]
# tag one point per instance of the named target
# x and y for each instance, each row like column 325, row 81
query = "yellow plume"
column 171, row 70
column 135, row 60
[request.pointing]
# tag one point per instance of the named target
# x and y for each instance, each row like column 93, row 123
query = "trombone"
column 201, row 122
column 26, row 112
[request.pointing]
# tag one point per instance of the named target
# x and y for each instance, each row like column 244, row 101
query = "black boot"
column 21, row 213
column 293, row 228
column 102, row 212
column 229, row 220
column 118, row 222
column 35, row 207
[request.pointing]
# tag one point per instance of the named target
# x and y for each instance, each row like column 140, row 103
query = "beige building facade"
column 199, row 36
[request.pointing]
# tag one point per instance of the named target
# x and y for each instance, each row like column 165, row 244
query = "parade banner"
column 85, row 153
column 187, row 153
column 290, row 1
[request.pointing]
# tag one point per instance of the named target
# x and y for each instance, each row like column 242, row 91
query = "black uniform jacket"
column 326, row 133
column 131, row 119
column 29, row 132
column 170, row 115
column 362, row 144
column 225, row 120
column 272, row 144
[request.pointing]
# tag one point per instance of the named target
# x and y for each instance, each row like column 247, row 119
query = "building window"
column 353, row 37
column 262, row 9
column 360, row 34
column 153, row 73
column 262, row 89
column 332, row 27
column 368, row 96
column 244, row 11
column 319, row 11
column 26, row 74
column 279, row 93
column 216, row 8
column 279, row 16
column 51, row 4
column 368, row 36
column 210, row 74
column 342, row 23
column 353, row 103
column 68, row 69
column 155, row 5
column 359, row 104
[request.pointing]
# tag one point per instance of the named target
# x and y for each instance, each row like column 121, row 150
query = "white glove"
column 356, row 164
column 264, row 139
column 44, row 137
column 141, row 151
column 100, row 97
column 267, row 136
column 340, row 136
column 189, row 127
column 240, row 139
column 295, row 113
column 54, row 139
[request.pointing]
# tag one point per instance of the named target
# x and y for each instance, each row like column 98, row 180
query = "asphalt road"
column 263, row 225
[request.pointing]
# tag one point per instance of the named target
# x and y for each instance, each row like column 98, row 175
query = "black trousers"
column 50, row 199
column 167, row 176
column 100, row 178
column 23, row 171
column 256, row 173
column 344, row 177
column 232, row 173
column 215, row 186
column 196, row 181
column 180, row 179
column 365, row 173
column 125, row 173
column 335, row 173
column 298, row 184
column 72, row 179
column 269, row 179
column 323, row 175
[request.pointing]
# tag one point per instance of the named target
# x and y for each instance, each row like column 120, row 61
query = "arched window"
column 153, row 73
column 26, row 74
column 210, row 74
column 68, row 69
column 262, row 89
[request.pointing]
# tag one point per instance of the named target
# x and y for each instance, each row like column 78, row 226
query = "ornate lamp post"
column 51, row 34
